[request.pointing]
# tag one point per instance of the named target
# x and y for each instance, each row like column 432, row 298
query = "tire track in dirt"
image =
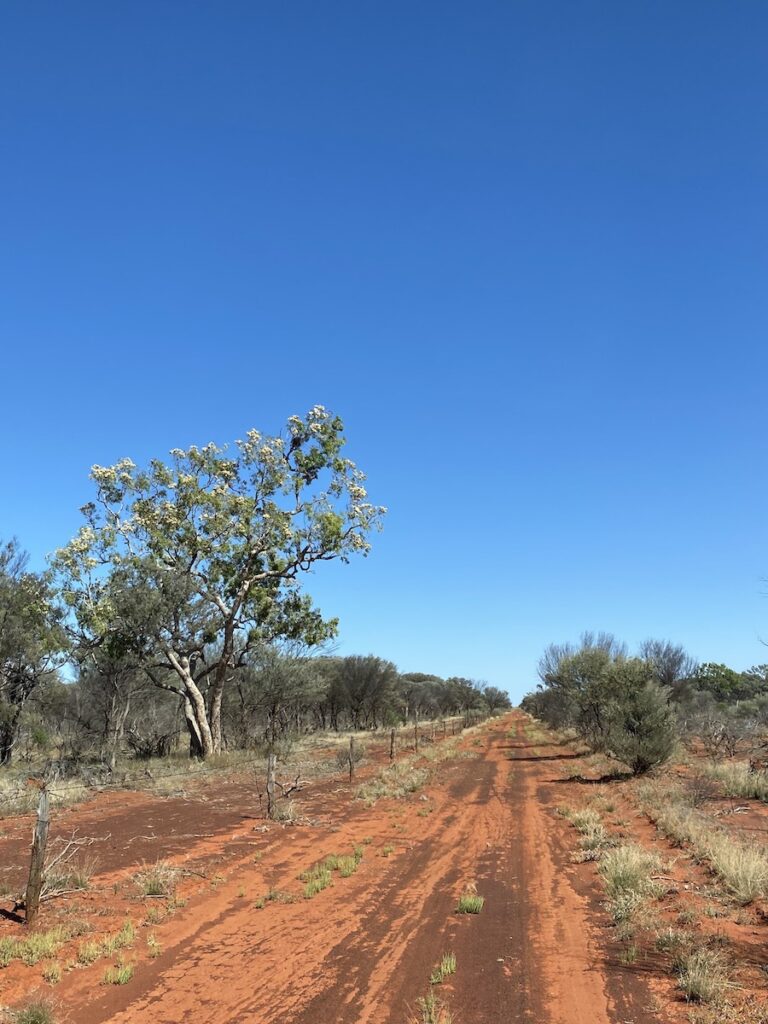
column 361, row 952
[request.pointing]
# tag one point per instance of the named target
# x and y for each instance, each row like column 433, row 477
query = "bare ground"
column 361, row 951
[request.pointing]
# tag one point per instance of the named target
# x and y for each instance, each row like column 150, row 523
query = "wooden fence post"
column 351, row 757
column 271, row 766
column 37, row 863
column 416, row 736
column 392, row 745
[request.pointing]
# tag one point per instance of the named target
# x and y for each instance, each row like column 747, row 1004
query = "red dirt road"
column 361, row 952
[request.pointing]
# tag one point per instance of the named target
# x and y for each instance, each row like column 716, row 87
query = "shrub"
column 642, row 731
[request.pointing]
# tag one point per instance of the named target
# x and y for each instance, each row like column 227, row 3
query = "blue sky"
column 520, row 248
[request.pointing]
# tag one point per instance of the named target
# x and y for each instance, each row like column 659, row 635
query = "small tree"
column 217, row 544
column 31, row 640
column 641, row 730
column 671, row 663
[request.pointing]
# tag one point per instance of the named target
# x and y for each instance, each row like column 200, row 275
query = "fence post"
column 416, row 736
column 351, row 757
column 392, row 745
column 37, row 863
column 271, row 766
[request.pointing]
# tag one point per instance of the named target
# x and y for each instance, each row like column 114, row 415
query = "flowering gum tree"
column 197, row 562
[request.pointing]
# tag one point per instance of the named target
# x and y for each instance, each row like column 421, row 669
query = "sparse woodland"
column 177, row 617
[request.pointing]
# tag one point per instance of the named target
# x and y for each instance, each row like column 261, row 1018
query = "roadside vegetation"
column 693, row 800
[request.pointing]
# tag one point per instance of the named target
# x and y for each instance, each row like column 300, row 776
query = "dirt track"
column 361, row 952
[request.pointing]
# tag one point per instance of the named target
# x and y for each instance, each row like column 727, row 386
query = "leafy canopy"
column 211, row 544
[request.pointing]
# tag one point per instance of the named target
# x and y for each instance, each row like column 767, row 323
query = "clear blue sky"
column 521, row 249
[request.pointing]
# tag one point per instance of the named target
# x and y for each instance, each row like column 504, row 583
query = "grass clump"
column 433, row 1011
column 593, row 835
column 154, row 915
column 737, row 781
column 35, row 1013
column 395, row 781
column 33, row 948
column 702, row 975
column 319, row 876
column 673, row 941
column 118, row 974
column 120, row 940
column 470, row 903
column 626, row 872
column 318, row 880
column 629, row 868
column 157, row 879
column 154, row 949
column 446, row 967
column 52, row 973
column 88, row 953
column 742, row 867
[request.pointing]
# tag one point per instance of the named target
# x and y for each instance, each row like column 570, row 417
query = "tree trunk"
column 217, row 692
column 197, row 736
column 201, row 743
column 6, row 744
column 9, row 734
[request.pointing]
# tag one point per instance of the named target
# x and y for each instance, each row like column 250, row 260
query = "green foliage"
column 119, row 974
column 196, row 562
column 613, row 702
column 726, row 685
column 470, row 903
column 641, row 729
column 446, row 967
column 31, row 639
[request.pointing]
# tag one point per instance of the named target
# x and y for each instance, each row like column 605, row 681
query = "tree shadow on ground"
column 546, row 757
column 527, row 746
column 583, row 780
